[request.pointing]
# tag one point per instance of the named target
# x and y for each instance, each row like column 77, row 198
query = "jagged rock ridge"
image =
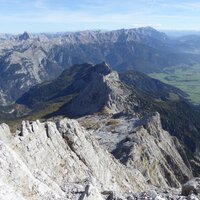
column 45, row 160
column 27, row 59
column 155, row 153
column 104, row 93
column 96, row 89
column 63, row 160
column 24, row 36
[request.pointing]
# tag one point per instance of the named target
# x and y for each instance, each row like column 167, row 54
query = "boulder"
column 192, row 186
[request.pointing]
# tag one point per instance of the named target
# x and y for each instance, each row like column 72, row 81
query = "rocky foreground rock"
column 144, row 145
column 61, row 160
column 137, row 140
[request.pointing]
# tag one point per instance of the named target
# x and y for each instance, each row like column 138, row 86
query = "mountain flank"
column 27, row 59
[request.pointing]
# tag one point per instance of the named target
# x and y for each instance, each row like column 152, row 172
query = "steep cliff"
column 60, row 161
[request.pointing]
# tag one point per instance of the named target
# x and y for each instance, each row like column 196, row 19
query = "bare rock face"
column 153, row 151
column 62, row 161
column 144, row 145
column 24, row 36
column 57, row 161
column 191, row 187
column 105, row 93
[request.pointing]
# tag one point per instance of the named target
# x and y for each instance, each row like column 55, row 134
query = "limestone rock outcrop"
column 191, row 187
column 62, row 161
column 59, row 161
column 105, row 93
column 144, row 145
column 158, row 155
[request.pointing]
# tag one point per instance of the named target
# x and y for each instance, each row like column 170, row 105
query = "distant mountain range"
column 28, row 59
column 180, row 33
column 87, row 89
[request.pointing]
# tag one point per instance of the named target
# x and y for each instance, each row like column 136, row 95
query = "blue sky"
column 71, row 15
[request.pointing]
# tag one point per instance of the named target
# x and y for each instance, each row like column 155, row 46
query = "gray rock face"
column 63, row 161
column 105, row 93
column 159, row 156
column 24, row 36
column 191, row 187
column 51, row 160
column 144, row 145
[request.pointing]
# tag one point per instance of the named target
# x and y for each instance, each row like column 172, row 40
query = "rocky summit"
column 62, row 160
column 29, row 59
column 105, row 93
column 108, row 143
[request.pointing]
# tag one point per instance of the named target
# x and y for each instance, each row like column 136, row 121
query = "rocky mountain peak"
column 155, row 152
column 53, row 160
column 151, row 32
column 105, row 92
column 103, row 68
column 24, row 36
column 47, row 55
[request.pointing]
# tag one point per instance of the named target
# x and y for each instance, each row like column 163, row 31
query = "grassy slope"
column 40, row 113
column 187, row 78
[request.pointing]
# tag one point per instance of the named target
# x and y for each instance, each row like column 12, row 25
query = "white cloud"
column 69, row 16
column 104, row 13
column 191, row 6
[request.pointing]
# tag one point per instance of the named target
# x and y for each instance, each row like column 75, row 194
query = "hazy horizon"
column 168, row 32
column 52, row 16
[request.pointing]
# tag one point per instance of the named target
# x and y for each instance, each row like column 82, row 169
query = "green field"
column 187, row 78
